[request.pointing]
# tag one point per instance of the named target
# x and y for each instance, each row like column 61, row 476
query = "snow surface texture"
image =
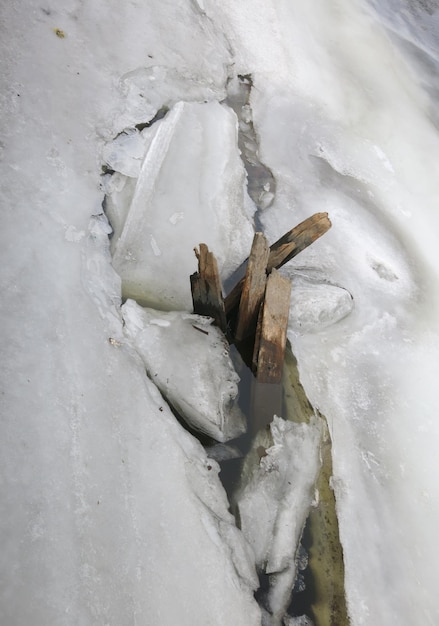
column 189, row 361
column 110, row 514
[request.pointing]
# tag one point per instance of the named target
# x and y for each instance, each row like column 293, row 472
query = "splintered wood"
column 207, row 295
column 257, row 307
column 253, row 288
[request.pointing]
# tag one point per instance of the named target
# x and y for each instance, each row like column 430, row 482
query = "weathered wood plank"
column 297, row 239
column 207, row 296
column 253, row 288
column 284, row 249
column 269, row 352
column 266, row 401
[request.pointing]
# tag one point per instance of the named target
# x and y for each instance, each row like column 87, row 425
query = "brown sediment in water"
column 326, row 563
column 326, row 599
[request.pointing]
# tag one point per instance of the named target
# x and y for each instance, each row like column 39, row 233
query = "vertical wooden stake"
column 253, row 288
column 269, row 352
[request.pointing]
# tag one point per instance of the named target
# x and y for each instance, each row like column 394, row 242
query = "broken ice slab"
column 190, row 190
column 125, row 153
column 274, row 498
column 189, row 361
column 151, row 89
column 317, row 305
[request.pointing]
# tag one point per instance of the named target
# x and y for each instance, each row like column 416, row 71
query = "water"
column 319, row 587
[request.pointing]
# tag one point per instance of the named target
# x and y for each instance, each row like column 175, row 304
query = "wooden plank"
column 253, row 288
column 269, row 353
column 207, row 296
column 284, row 249
column 297, row 239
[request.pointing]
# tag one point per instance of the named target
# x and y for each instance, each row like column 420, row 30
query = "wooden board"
column 253, row 288
column 207, row 296
column 271, row 334
column 284, row 249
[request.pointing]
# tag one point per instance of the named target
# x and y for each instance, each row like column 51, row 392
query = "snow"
column 110, row 513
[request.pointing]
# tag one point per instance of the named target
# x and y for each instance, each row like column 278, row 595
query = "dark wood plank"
column 207, row 296
column 253, row 288
column 269, row 353
column 284, row 249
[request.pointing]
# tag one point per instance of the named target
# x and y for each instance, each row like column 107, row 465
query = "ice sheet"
column 346, row 125
column 190, row 190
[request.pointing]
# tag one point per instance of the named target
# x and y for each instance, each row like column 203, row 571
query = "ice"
column 190, row 190
column 315, row 305
column 362, row 145
column 189, row 361
column 110, row 512
column 125, row 153
column 303, row 620
column 220, row 452
column 273, row 500
column 148, row 90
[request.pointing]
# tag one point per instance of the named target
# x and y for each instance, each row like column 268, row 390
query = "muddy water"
column 319, row 590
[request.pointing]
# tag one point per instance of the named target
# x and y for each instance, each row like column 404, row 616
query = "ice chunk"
column 190, row 190
column 317, row 305
column 274, row 498
column 125, row 153
column 221, row 452
column 188, row 359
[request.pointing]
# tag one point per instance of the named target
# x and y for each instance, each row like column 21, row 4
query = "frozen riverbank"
column 110, row 514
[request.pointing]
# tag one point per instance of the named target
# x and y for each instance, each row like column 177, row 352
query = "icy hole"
column 270, row 472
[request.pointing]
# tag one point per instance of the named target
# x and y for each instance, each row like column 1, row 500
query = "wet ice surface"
column 111, row 512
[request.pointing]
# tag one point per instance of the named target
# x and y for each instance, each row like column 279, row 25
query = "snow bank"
column 110, row 512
